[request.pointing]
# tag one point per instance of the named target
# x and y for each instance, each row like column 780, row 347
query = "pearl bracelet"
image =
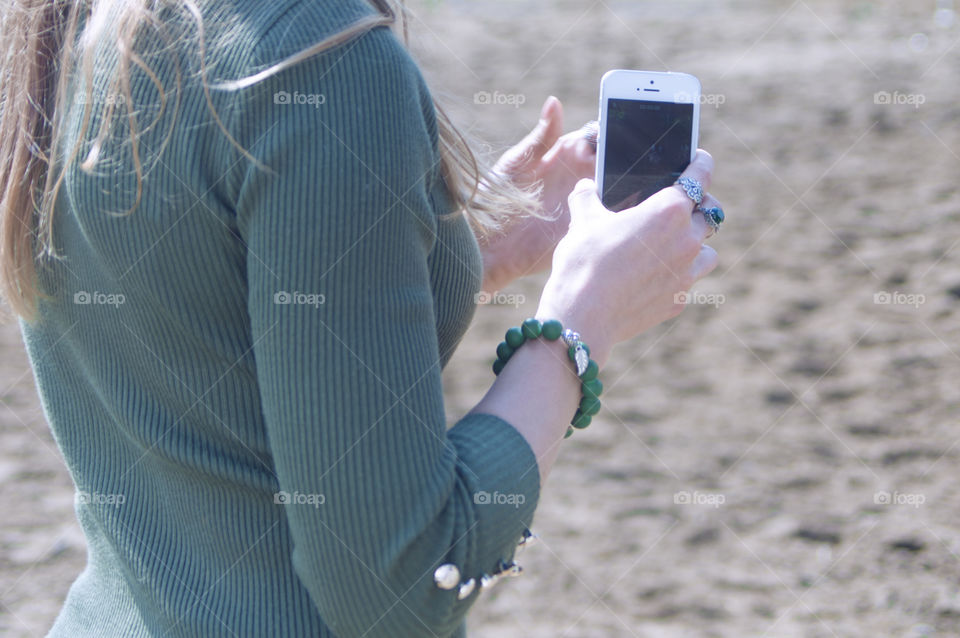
column 577, row 350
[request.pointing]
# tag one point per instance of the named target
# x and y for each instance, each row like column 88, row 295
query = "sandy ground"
column 778, row 463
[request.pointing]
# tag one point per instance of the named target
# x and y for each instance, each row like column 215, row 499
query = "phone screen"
column 647, row 148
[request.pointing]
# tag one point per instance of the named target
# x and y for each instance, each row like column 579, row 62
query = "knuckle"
column 580, row 190
column 583, row 185
column 675, row 208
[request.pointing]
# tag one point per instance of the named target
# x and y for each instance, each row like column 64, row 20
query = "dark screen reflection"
column 647, row 148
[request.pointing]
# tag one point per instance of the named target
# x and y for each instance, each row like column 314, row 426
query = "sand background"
column 824, row 419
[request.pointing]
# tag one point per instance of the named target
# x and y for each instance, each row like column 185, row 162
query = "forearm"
column 537, row 393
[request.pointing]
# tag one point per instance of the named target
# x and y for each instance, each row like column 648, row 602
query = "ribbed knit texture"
column 198, row 396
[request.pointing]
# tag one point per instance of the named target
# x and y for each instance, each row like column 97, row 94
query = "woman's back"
column 195, row 348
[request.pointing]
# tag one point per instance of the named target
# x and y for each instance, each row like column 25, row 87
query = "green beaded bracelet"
column 579, row 353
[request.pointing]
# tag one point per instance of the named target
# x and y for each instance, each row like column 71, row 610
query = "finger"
column 710, row 201
column 547, row 131
column 700, row 169
column 704, row 263
column 574, row 140
column 574, row 154
column 701, row 228
column 524, row 155
column 583, row 161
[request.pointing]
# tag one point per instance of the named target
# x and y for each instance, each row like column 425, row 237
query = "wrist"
column 582, row 319
column 586, row 369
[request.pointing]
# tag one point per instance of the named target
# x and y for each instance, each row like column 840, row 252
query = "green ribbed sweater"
column 245, row 333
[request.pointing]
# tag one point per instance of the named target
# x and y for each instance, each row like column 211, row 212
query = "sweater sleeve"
column 378, row 493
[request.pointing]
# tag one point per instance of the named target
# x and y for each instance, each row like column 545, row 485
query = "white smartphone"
column 649, row 126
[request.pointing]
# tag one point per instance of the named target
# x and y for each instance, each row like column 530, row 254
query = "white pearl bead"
column 487, row 581
column 466, row 589
column 447, row 576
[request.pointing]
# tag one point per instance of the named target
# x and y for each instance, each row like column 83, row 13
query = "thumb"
column 548, row 130
column 541, row 139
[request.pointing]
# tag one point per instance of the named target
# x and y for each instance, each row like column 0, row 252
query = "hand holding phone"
column 649, row 127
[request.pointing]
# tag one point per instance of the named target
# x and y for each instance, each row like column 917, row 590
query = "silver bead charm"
column 509, row 570
column 466, row 589
column 487, row 581
column 571, row 337
column 528, row 539
column 447, row 576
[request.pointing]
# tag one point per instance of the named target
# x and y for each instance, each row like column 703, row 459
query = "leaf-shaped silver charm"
column 582, row 359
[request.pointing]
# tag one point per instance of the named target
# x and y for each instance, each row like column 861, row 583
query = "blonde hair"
column 41, row 42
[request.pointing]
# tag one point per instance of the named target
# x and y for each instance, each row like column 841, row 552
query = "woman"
column 243, row 242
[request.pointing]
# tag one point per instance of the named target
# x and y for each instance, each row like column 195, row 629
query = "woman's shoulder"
column 276, row 30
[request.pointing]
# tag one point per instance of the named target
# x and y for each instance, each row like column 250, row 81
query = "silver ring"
column 692, row 188
column 713, row 216
column 591, row 131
